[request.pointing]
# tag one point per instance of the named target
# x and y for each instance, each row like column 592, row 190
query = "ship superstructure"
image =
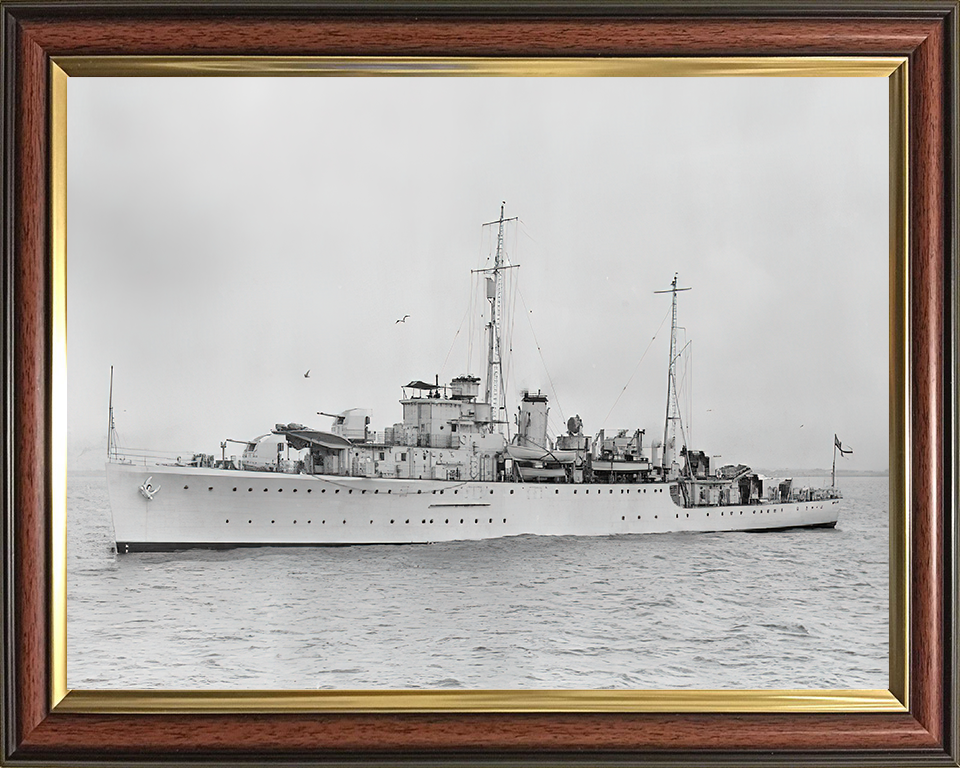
column 454, row 468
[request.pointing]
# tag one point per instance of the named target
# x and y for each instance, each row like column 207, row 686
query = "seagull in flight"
column 307, row 374
column 402, row 319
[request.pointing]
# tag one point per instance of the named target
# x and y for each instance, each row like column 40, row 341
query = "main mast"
column 673, row 405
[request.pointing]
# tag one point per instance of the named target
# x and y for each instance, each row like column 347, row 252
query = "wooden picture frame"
column 39, row 726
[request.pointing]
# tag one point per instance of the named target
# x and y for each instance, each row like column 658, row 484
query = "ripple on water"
column 799, row 609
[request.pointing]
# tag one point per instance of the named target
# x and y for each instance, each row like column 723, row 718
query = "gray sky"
column 226, row 235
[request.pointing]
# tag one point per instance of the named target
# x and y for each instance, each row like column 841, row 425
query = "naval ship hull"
column 189, row 507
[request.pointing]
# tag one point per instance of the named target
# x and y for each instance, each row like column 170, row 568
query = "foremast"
column 673, row 405
column 494, row 392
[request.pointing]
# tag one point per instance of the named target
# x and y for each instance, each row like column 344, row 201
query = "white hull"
column 209, row 508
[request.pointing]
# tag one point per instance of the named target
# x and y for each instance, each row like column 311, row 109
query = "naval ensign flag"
column 837, row 447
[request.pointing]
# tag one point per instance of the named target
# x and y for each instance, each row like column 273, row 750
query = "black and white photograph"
column 479, row 383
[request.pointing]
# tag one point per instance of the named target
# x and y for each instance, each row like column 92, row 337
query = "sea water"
column 790, row 609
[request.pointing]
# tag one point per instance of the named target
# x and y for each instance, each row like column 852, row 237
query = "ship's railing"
column 144, row 457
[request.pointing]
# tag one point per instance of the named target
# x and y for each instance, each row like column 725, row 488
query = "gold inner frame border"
column 895, row 699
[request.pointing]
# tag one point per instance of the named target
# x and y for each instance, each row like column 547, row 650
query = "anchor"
column 148, row 491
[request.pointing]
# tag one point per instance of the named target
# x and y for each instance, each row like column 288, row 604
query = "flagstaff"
column 837, row 446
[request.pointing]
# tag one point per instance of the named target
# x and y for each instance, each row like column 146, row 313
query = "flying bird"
column 307, row 374
column 402, row 319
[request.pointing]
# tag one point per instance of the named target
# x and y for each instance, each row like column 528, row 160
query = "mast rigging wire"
column 453, row 343
column 540, row 351
column 659, row 328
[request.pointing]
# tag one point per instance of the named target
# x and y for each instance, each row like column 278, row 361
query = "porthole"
column 234, row 489
column 294, row 522
column 371, row 522
column 431, row 521
column 336, row 490
column 408, row 522
column 294, row 490
column 309, row 521
column 344, row 522
column 611, row 490
column 391, row 522
column 388, row 490
column 279, row 490
column 461, row 521
column 249, row 521
column 504, row 519
column 185, row 487
column 574, row 491
column 456, row 492
column 272, row 522
column 557, row 491
column 362, row 491
column 228, row 521
column 511, row 490
column 350, row 491
column 446, row 521
column 622, row 517
column 476, row 521
column 210, row 488
column 376, row 490
column 491, row 519
column 491, row 490
column 264, row 490
column 638, row 517
column 423, row 522
column 441, row 493
column 656, row 517
column 419, row 491
column 434, row 492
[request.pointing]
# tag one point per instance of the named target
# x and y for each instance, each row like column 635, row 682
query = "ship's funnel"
column 532, row 429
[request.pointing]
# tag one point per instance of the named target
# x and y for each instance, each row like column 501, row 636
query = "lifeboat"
column 533, row 453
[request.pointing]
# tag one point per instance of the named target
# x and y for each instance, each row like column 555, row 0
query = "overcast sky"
column 226, row 235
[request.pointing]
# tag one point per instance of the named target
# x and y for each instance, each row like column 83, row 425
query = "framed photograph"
column 278, row 217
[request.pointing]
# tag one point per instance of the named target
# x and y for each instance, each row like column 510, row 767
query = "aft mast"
column 673, row 405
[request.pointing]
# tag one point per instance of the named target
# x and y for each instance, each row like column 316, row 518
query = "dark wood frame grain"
column 925, row 32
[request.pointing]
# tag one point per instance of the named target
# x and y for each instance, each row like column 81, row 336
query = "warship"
column 455, row 468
